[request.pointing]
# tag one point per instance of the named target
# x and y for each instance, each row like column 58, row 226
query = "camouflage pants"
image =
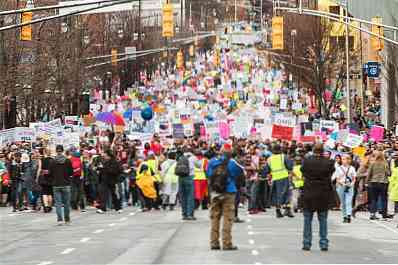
column 222, row 206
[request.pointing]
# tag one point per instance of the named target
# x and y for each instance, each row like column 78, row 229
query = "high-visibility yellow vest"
column 153, row 165
column 277, row 166
column 200, row 172
column 298, row 180
column 393, row 185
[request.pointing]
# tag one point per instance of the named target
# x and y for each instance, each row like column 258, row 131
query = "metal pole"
column 261, row 20
column 347, row 52
column 362, row 87
column 236, row 13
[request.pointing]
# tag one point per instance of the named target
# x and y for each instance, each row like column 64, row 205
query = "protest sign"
column 7, row 136
column 282, row 119
column 282, row 132
column 24, row 134
column 376, row 133
column 353, row 140
column 360, row 151
column 329, row 125
column 55, row 123
column 178, row 131
column 71, row 120
column 223, row 128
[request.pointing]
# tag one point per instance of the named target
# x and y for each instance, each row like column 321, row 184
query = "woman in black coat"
column 317, row 195
column 110, row 170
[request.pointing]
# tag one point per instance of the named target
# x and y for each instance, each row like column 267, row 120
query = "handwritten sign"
column 282, row 132
column 353, row 140
column 284, row 120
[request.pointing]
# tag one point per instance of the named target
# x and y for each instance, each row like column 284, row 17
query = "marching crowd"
column 122, row 174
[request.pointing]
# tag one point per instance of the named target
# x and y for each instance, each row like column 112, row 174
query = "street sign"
column 372, row 69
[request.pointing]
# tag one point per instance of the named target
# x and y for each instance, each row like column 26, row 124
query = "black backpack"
column 182, row 167
column 218, row 179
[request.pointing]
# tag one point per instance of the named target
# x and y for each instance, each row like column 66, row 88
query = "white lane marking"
column 98, row 231
column 254, row 252
column 251, row 241
column 84, row 239
column 249, row 220
column 112, row 224
column 131, row 214
column 45, row 263
column 250, row 233
column 386, row 227
column 123, row 219
column 249, row 227
column 258, row 263
column 67, row 251
column 12, row 214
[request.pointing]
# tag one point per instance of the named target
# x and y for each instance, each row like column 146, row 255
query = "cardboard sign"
column 71, row 120
column 282, row 132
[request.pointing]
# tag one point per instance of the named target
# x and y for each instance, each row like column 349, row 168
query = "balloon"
column 147, row 113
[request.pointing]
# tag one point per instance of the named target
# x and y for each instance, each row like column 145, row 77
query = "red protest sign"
column 282, row 132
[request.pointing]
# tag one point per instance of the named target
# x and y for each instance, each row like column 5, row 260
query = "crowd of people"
column 214, row 170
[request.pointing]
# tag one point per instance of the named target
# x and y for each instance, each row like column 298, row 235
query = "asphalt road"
column 161, row 237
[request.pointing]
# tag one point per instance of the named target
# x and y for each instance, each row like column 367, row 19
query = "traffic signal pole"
column 347, row 54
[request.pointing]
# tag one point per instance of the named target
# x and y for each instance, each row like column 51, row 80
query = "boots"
column 279, row 213
column 288, row 212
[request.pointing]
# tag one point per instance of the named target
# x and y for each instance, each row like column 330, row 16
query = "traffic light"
column 114, row 57
column 168, row 21
column 26, row 31
column 277, row 33
column 180, row 60
column 376, row 43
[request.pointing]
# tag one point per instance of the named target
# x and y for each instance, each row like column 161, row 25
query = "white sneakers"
column 100, row 211
column 120, row 211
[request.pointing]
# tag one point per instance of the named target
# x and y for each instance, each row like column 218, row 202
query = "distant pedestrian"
column 60, row 172
column 318, row 195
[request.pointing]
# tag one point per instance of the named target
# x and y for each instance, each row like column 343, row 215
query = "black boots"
column 279, row 213
column 288, row 212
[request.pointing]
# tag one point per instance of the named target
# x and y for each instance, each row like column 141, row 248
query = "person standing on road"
column 318, row 195
column 345, row 176
column 110, row 170
column 223, row 173
column 60, row 172
column 377, row 181
column 280, row 167
column 393, row 186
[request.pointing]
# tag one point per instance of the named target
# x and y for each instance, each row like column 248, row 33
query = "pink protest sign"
column 377, row 133
column 224, row 130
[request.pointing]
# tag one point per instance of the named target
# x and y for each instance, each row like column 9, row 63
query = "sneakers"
column 215, row 247
column 119, row 211
column 306, row 248
column 324, row 249
column 373, row 217
column 288, row 212
column 67, row 223
column 191, row 218
column 100, row 211
column 253, row 211
column 60, row 223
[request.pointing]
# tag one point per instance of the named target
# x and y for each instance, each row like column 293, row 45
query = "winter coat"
column 318, row 194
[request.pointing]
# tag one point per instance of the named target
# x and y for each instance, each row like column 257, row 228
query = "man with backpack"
column 185, row 170
column 223, row 172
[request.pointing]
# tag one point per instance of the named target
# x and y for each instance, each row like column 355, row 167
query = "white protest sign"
column 284, row 120
column 71, row 139
column 297, row 106
column 23, row 134
column 328, row 124
column 283, row 103
column 353, row 140
column 55, row 123
column 7, row 136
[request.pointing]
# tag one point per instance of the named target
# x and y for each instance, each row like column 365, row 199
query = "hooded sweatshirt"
column 60, row 171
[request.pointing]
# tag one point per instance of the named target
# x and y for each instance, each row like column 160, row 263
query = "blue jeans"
column 323, row 228
column 62, row 199
column 253, row 189
column 186, row 196
column 345, row 199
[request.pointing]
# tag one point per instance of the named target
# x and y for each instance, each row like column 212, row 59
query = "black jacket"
column 318, row 192
column 60, row 171
column 110, row 173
